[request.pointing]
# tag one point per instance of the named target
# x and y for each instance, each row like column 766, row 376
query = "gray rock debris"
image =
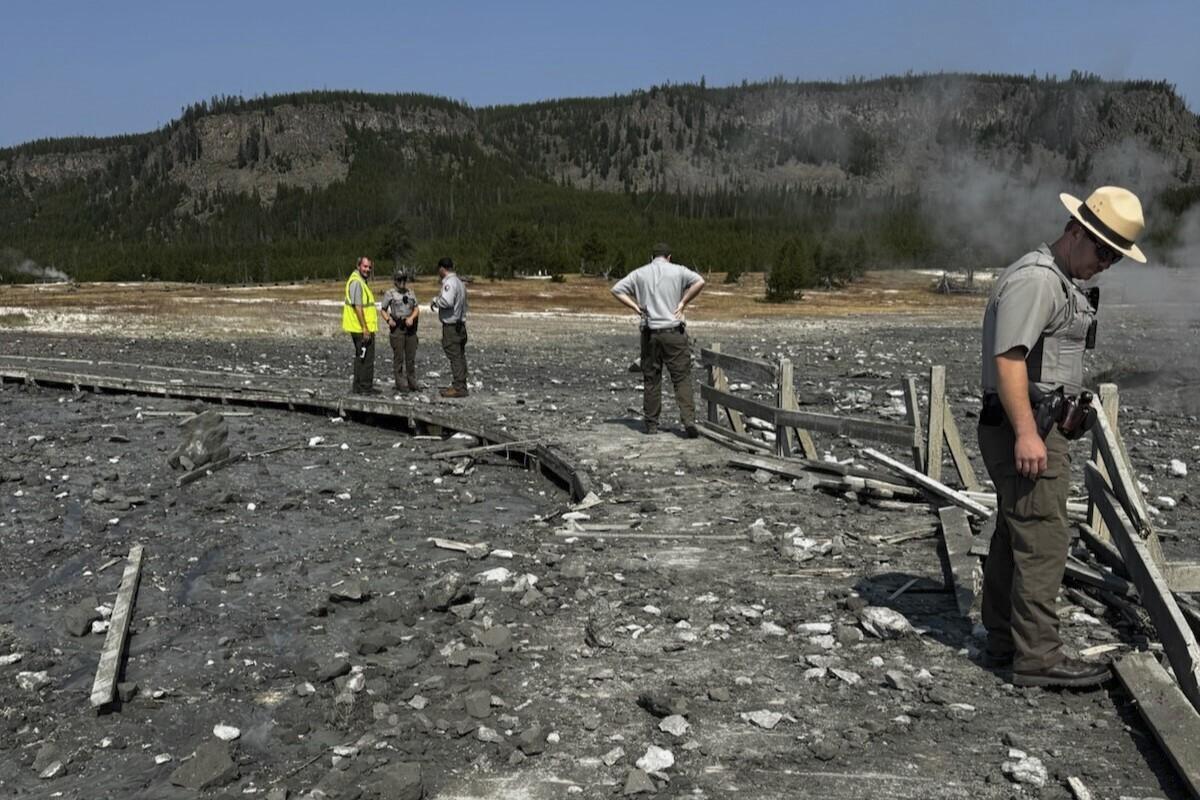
column 204, row 441
column 211, row 766
column 403, row 781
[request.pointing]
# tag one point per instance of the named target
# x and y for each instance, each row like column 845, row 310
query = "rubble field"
column 701, row 631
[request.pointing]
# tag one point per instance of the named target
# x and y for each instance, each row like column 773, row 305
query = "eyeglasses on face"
column 1104, row 252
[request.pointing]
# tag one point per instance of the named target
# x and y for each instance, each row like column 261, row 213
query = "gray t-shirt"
column 658, row 287
column 1025, row 302
column 452, row 302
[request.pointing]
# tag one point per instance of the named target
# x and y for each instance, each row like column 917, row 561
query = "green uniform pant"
column 1028, row 552
column 404, row 357
column 364, row 362
column 454, row 345
column 669, row 348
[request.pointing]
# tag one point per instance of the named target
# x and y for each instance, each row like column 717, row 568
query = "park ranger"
column 658, row 292
column 400, row 312
column 451, row 308
column 360, row 320
column 1036, row 327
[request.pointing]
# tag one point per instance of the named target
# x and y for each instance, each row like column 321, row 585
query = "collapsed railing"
column 1114, row 523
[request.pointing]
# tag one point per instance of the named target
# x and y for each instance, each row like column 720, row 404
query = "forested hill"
column 295, row 185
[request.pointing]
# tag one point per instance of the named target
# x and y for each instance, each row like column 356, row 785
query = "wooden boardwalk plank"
column 105, row 686
column 1173, row 630
column 1171, row 718
column 961, row 568
column 925, row 482
column 937, row 421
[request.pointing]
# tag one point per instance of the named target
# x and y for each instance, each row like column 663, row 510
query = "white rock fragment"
column 32, row 681
column 497, row 575
column 762, row 718
column 613, row 756
column 846, row 675
column 226, row 733
column 11, row 658
column 814, row 627
column 1178, row 468
column 1029, row 770
column 1165, row 502
column 163, row 758
column 771, row 629
column 884, row 623
column 674, row 725
column 656, row 759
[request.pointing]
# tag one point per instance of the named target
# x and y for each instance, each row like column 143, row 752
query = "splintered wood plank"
column 1184, row 576
column 1171, row 718
column 1120, row 475
column 929, row 484
column 912, row 410
column 1177, row 638
column 937, row 417
column 105, row 686
column 962, row 568
column 1110, row 405
column 966, row 473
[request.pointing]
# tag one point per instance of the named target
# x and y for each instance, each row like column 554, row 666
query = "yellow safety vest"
column 349, row 318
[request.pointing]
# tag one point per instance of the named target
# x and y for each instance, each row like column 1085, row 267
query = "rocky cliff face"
column 872, row 137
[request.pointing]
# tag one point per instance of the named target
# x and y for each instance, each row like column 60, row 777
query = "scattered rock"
column 441, row 593
column 226, row 733
column 350, row 591
column 330, row 668
column 638, row 782
column 532, row 741
column 763, row 718
column 1028, row 770
column 402, row 781
column 656, row 759
column 663, row 706
column 479, row 703
column 674, row 725
column 211, row 766
column 598, row 632
column 33, row 681
column 884, row 623
column 719, row 694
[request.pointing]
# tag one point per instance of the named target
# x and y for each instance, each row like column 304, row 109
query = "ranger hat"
column 1113, row 214
column 661, row 249
column 401, row 274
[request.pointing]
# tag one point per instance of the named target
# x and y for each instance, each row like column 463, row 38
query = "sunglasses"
column 1104, row 252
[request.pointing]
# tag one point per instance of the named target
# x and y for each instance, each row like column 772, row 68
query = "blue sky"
column 103, row 68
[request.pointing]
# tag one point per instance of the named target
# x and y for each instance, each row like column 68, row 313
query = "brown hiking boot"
column 1070, row 673
column 454, row 391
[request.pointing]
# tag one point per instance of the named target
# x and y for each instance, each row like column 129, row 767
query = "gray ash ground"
column 500, row 690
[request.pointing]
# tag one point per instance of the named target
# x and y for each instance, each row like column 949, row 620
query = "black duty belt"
column 680, row 328
column 992, row 414
column 458, row 326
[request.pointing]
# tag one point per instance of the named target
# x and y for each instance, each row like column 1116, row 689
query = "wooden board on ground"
column 961, row 569
column 1172, row 719
column 1173, row 630
column 718, row 380
column 925, row 482
column 523, row 445
column 109, row 669
column 729, row 438
column 788, row 402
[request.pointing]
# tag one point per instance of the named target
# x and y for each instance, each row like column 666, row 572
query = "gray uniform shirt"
column 1032, row 298
column 399, row 305
column 658, row 287
column 452, row 302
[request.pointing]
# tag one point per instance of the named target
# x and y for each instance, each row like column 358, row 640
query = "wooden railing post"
column 937, row 415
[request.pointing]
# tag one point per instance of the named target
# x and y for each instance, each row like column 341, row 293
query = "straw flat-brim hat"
column 1113, row 214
